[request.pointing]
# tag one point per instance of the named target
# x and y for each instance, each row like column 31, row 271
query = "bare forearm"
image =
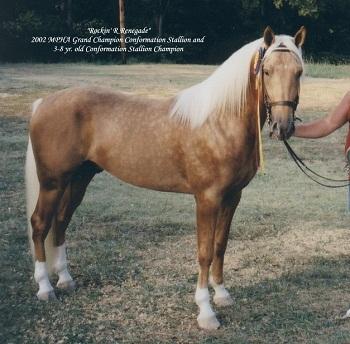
column 325, row 126
column 315, row 129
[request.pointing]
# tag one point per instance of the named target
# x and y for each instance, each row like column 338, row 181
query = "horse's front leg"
column 222, row 297
column 207, row 211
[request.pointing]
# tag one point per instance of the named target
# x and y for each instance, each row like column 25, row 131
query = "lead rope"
column 304, row 168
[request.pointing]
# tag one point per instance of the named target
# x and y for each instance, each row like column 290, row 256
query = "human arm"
column 326, row 125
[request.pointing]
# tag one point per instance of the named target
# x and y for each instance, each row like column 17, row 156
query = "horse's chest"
column 239, row 174
column 239, row 166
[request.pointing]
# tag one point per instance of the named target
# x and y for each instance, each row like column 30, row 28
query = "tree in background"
column 65, row 6
column 69, row 14
column 226, row 25
column 160, row 12
column 122, row 28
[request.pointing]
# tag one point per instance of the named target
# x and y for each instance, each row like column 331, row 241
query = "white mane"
column 224, row 90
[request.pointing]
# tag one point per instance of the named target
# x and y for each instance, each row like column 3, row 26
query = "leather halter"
column 267, row 100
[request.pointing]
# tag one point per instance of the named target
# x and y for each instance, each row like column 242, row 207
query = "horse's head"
column 281, row 70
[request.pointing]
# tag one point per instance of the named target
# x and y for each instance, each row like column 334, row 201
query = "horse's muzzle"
column 282, row 130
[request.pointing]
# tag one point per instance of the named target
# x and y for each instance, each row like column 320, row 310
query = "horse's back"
column 87, row 103
column 122, row 133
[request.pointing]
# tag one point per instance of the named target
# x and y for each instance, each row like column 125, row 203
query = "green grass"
column 132, row 251
column 323, row 70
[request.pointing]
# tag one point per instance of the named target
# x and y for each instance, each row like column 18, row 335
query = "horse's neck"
column 253, row 114
column 255, row 110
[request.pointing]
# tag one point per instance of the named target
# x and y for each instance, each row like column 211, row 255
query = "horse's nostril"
column 274, row 129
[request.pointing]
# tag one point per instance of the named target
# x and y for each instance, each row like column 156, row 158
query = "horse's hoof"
column 47, row 296
column 223, row 301
column 67, row 285
column 208, row 323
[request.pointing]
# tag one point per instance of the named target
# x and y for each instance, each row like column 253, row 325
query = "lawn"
column 132, row 251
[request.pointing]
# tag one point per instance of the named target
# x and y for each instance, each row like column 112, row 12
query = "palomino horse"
column 204, row 141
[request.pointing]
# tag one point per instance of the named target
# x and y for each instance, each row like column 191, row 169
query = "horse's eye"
column 266, row 72
column 299, row 74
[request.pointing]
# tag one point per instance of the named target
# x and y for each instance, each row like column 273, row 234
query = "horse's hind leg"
column 226, row 212
column 72, row 197
column 50, row 193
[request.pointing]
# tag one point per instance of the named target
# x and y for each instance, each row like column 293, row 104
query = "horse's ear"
column 300, row 36
column 269, row 36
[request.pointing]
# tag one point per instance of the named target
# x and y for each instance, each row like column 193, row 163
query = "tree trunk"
column 69, row 14
column 122, row 28
column 262, row 8
column 163, row 6
column 160, row 25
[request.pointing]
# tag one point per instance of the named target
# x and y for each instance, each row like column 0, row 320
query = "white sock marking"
column 220, row 290
column 60, row 264
column 203, row 301
column 41, row 277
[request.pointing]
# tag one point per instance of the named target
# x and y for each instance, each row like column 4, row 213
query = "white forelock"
column 287, row 41
column 224, row 90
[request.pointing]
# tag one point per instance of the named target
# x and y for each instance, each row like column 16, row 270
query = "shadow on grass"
column 300, row 306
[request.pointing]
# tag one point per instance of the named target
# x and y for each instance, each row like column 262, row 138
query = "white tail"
column 32, row 194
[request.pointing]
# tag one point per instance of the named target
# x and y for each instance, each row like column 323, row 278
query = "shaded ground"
column 132, row 251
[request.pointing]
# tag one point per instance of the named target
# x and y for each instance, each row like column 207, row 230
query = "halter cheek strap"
column 258, row 68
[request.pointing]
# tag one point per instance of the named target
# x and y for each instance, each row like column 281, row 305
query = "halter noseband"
column 267, row 100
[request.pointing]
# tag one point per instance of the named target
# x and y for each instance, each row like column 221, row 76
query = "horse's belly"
column 152, row 171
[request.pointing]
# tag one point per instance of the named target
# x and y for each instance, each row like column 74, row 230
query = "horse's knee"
column 205, row 260
column 40, row 228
